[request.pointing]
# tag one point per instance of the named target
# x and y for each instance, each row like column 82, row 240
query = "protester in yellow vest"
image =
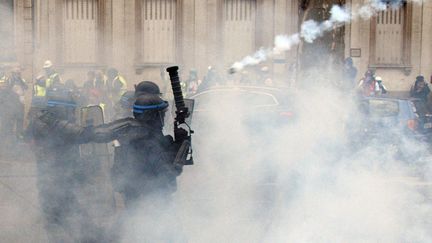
column 4, row 80
column 51, row 78
column 117, row 84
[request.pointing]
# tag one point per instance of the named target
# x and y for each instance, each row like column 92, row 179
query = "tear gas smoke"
column 310, row 30
column 301, row 182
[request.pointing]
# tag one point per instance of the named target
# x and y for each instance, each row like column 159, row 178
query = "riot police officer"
column 144, row 172
column 56, row 137
column 145, row 163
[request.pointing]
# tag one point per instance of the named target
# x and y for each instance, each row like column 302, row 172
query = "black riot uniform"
column 144, row 159
column 144, row 172
column 55, row 138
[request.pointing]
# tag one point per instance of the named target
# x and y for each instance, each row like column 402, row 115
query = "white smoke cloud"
column 340, row 14
column 285, row 42
column 299, row 183
column 310, row 30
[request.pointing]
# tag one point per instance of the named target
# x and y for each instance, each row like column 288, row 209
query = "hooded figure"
column 420, row 89
column 368, row 85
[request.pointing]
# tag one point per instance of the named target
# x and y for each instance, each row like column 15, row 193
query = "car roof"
column 244, row 87
column 390, row 98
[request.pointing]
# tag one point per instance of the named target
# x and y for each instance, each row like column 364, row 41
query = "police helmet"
column 147, row 87
column 150, row 108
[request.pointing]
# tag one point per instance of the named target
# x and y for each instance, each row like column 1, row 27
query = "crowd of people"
column 372, row 85
column 143, row 157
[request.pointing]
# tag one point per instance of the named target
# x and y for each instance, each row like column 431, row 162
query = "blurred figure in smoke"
column 123, row 108
column 420, row 89
column 116, row 83
column 3, row 77
column 381, row 87
column 116, row 86
column 192, row 82
column 264, row 76
column 349, row 74
column 19, row 86
column 144, row 173
column 70, row 85
column 292, row 74
column 52, row 78
column 56, row 138
column 89, row 84
column 7, row 100
column 76, row 92
column 211, row 79
column 367, row 85
column 99, row 95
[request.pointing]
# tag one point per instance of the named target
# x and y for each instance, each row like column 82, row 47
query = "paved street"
column 19, row 206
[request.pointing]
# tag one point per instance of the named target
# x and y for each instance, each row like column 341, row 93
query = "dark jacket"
column 420, row 94
column 143, row 162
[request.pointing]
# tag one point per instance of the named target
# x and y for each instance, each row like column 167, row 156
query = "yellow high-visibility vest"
column 4, row 82
column 123, row 89
column 41, row 90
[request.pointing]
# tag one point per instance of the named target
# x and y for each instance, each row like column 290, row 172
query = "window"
column 80, row 31
column 390, row 37
column 7, row 31
column 159, row 29
column 383, row 108
column 239, row 29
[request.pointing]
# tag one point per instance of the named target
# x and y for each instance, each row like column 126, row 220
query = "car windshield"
column 380, row 108
column 236, row 99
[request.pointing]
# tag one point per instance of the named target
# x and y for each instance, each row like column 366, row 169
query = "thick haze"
column 299, row 182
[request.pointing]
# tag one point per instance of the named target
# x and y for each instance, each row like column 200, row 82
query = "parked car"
column 256, row 106
column 398, row 122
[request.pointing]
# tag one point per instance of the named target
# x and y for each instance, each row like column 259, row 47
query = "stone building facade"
column 139, row 37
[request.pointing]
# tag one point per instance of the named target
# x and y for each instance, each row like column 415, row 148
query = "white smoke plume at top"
column 310, row 30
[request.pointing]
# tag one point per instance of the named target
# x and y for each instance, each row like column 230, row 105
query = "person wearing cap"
column 380, row 87
column 50, row 79
column 144, row 171
column 420, row 89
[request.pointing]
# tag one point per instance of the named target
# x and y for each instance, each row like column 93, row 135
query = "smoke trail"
column 310, row 30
